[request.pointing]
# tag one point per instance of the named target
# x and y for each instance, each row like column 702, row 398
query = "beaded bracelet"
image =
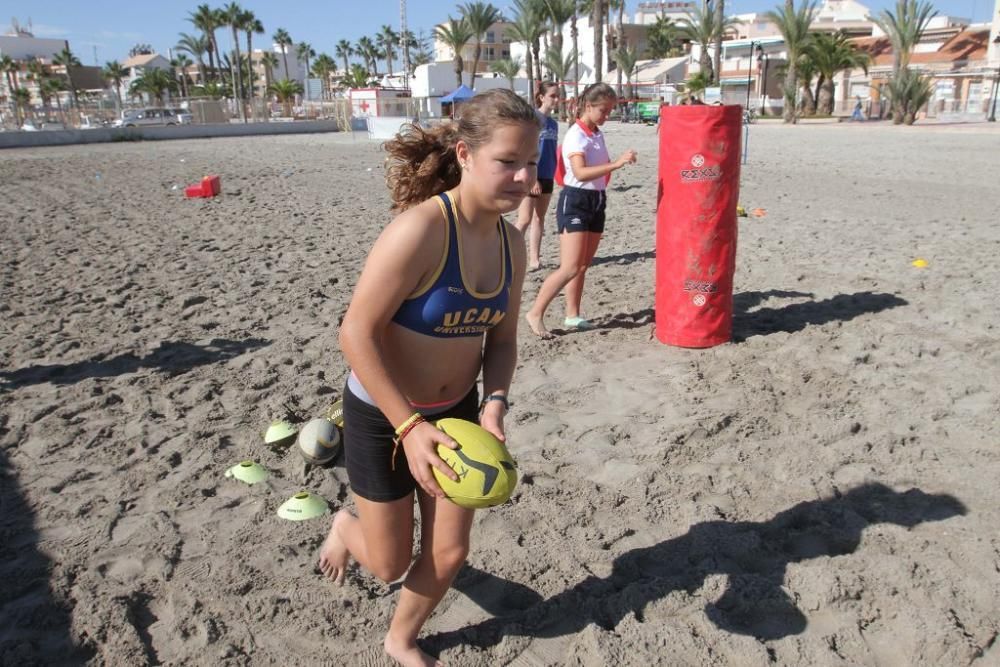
column 403, row 431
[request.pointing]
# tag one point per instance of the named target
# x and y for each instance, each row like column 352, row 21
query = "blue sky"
column 113, row 26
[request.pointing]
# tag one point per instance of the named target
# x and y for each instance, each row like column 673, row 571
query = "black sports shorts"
column 581, row 210
column 368, row 447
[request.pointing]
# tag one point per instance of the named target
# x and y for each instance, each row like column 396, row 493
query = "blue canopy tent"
column 460, row 94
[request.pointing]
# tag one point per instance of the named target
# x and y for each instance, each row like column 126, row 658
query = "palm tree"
column 22, row 101
column 206, row 19
column 386, row 38
column 508, row 68
column 251, row 25
column 597, row 21
column 10, row 68
column 269, row 60
column 114, row 72
column 369, row 53
column 701, row 27
column 322, row 67
column 284, row 40
column 51, row 87
column 286, row 90
column 626, row 59
column 479, row 16
column 455, row 35
column 527, row 27
column 662, row 37
column 832, row 54
column 210, row 89
column 181, row 64
column 559, row 13
column 344, row 50
column 909, row 92
column 794, row 28
column 621, row 41
column 154, row 82
column 305, row 52
column 66, row 59
column 720, row 15
column 560, row 69
column 357, row 77
column 233, row 17
column 904, row 28
column 196, row 46
column 696, row 85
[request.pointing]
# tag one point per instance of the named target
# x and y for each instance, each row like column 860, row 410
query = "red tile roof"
column 968, row 45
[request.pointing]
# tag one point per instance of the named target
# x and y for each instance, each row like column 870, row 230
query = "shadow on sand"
column 753, row 555
column 171, row 357
column 797, row 316
column 36, row 626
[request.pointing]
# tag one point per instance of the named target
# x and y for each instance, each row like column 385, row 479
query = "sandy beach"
column 821, row 491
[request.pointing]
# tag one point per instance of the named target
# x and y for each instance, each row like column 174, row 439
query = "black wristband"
column 495, row 397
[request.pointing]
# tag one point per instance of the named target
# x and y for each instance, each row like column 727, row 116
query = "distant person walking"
column 858, row 106
column 534, row 207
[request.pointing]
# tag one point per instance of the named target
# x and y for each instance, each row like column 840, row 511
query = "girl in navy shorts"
column 580, row 210
column 534, row 207
column 436, row 305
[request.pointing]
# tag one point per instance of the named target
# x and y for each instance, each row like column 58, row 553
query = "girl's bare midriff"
column 431, row 370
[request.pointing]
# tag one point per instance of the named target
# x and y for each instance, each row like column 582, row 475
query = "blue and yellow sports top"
column 446, row 307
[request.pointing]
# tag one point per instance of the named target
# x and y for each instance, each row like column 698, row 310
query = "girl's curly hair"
column 422, row 162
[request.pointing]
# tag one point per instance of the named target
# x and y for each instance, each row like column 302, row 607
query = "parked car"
column 153, row 116
column 36, row 126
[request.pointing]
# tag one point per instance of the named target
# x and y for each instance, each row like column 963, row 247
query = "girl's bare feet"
column 333, row 555
column 537, row 326
column 409, row 654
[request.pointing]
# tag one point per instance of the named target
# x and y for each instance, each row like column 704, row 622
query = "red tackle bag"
column 699, row 185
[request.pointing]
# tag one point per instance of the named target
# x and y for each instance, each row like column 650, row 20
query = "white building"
column 433, row 81
column 675, row 10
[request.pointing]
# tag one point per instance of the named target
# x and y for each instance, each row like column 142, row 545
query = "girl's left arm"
column 500, row 348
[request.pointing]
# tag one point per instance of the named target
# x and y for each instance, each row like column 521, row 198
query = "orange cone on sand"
column 209, row 186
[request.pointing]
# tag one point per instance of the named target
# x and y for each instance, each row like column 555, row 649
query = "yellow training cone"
column 919, row 263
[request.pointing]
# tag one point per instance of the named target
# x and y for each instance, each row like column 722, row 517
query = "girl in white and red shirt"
column 580, row 211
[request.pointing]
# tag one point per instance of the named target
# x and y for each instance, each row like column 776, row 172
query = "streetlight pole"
column 749, row 67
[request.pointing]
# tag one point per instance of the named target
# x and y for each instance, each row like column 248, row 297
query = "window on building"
column 488, row 53
column 490, row 37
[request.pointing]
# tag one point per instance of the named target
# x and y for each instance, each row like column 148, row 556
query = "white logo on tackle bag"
column 698, row 300
column 699, row 172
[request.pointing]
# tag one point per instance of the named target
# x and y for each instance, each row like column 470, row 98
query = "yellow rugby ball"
column 486, row 472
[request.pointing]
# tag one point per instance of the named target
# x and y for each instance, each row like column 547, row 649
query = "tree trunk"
column 788, row 111
column 475, row 63
column 609, row 40
column 458, row 71
column 531, row 79
column 807, row 102
column 824, row 103
column 597, row 21
column 575, row 34
column 536, row 48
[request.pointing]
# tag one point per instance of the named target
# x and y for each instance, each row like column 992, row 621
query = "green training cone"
column 280, row 433
column 250, row 472
column 303, row 505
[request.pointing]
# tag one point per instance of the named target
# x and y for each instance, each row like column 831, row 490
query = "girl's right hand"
column 420, row 446
column 628, row 157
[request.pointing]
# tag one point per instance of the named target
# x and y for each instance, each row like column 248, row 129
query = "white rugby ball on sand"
column 319, row 441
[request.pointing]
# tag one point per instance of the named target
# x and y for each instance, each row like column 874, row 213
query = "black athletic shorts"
column 368, row 447
column 581, row 210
